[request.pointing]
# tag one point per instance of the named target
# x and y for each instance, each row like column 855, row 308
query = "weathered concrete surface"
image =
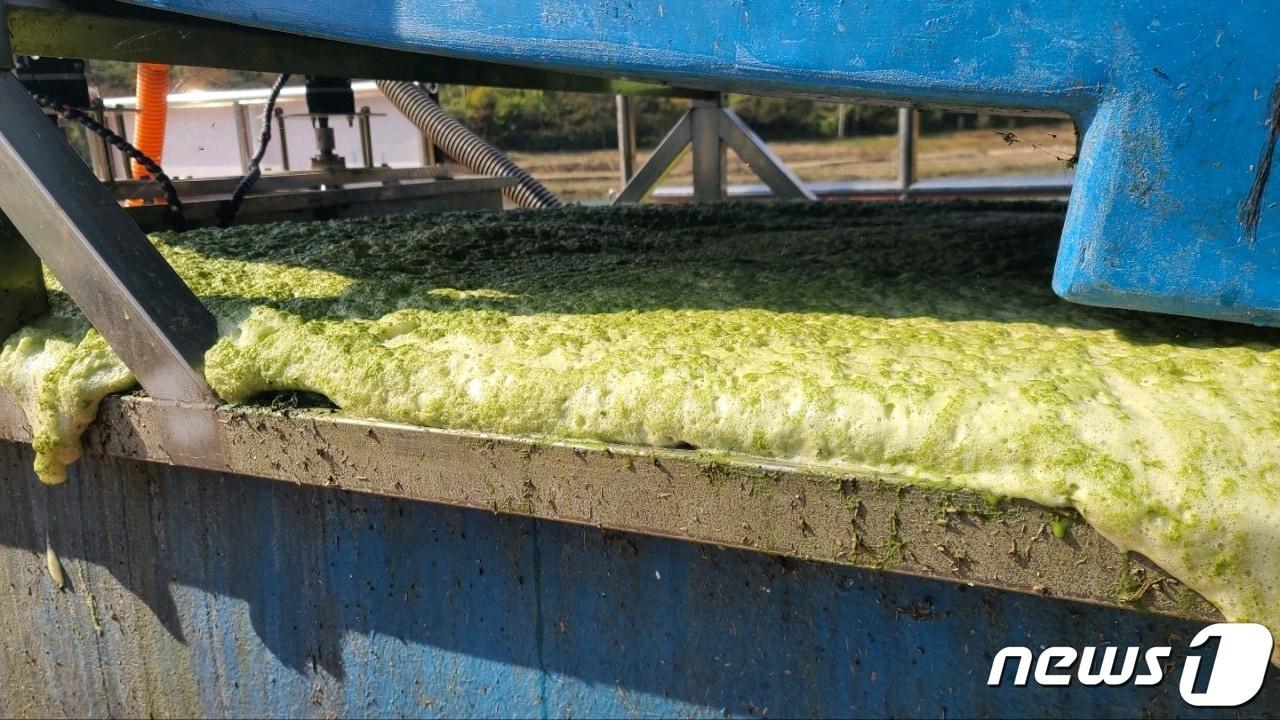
column 863, row 521
column 198, row 593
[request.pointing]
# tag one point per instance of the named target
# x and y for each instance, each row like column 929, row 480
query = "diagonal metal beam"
column 710, row 128
column 659, row 162
column 104, row 262
column 735, row 133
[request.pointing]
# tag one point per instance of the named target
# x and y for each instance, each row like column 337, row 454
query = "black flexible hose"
column 465, row 146
column 228, row 209
column 174, row 216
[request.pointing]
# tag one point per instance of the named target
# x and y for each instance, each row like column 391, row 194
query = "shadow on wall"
column 219, row 595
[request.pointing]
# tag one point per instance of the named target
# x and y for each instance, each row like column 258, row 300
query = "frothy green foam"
column 921, row 342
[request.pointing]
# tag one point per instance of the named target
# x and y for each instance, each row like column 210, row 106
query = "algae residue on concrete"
column 920, row 342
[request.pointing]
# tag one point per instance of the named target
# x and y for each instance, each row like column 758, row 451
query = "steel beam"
column 104, row 262
column 464, row 193
column 116, row 31
column 626, row 138
column 195, row 188
column 659, row 162
column 908, row 134
column 711, row 128
column 710, row 175
column 763, row 162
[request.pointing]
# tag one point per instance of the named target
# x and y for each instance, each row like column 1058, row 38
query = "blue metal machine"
column 1175, row 100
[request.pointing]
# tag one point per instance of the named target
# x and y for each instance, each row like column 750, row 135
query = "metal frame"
column 463, row 193
column 104, row 262
column 710, row 128
column 283, row 181
column 75, row 225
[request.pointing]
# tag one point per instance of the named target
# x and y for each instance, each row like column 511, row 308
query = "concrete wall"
column 192, row 593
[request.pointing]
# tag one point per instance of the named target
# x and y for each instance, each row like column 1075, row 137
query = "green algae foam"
column 921, row 342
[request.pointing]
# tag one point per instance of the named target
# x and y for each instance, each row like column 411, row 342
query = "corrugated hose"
column 469, row 149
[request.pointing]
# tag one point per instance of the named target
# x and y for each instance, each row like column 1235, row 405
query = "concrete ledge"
column 864, row 520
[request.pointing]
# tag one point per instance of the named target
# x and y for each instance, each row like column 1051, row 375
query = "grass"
column 1041, row 149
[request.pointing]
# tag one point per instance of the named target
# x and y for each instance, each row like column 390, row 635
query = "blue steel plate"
column 1177, row 100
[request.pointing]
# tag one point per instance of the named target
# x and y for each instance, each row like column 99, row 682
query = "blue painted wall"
column 237, row 596
column 1177, row 100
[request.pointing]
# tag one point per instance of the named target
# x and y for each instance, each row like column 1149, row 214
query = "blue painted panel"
column 1175, row 99
column 237, row 596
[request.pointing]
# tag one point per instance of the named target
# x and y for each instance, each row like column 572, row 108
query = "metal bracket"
column 105, row 263
column 710, row 128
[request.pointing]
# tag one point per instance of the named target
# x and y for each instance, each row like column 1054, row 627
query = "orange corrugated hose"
column 153, row 111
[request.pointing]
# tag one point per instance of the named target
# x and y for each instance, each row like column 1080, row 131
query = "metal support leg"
column 108, row 267
column 284, row 139
column 626, row 137
column 711, row 128
column 117, row 119
column 757, row 155
column 659, row 163
column 908, row 133
column 99, row 150
column 709, row 159
column 366, row 136
column 242, row 135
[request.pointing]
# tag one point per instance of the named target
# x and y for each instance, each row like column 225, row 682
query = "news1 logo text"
column 1225, row 665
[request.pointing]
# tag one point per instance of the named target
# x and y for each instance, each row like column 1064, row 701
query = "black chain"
column 228, row 209
column 173, row 212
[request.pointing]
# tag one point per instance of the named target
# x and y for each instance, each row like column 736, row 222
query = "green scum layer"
column 922, row 342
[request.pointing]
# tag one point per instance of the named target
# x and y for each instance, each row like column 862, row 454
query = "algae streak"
column 921, row 342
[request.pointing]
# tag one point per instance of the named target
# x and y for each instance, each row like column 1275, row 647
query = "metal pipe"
column 709, row 157
column 284, row 140
column 366, row 136
column 99, row 148
column 469, row 149
column 242, row 134
column 117, row 119
column 626, row 138
column 908, row 133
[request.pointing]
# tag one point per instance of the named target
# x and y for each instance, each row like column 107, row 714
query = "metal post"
column 117, row 122
column 242, row 134
column 626, row 137
column 284, row 139
column 104, row 262
column 99, row 150
column 908, row 133
column 366, row 136
column 709, row 158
